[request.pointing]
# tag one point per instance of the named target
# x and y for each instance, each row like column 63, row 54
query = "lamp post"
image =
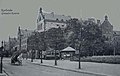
column 20, row 43
column 55, row 57
column 1, row 57
column 55, row 52
column 114, row 48
column 56, row 43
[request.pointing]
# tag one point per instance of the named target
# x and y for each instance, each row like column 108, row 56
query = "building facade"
column 47, row 21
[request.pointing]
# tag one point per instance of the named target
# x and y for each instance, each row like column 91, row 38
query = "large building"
column 46, row 21
column 107, row 29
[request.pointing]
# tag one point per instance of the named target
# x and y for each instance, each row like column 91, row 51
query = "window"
column 40, row 26
column 39, row 18
column 62, row 25
column 57, row 19
column 62, row 20
column 57, row 24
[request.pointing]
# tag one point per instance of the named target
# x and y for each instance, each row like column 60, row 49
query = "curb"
column 5, row 72
column 2, row 74
column 85, row 72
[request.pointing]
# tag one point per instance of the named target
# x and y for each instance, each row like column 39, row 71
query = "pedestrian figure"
column 20, row 59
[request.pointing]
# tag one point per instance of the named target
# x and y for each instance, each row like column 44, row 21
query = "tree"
column 55, row 38
column 36, row 41
column 89, row 33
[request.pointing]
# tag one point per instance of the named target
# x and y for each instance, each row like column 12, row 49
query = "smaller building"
column 6, row 49
column 24, row 34
column 67, row 53
column 12, row 43
column 50, row 53
column 6, row 45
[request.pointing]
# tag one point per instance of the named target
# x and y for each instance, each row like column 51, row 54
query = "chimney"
column 25, row 29
column 98, row 21
column 106, row 17
column 52, row 14
column 40, row 10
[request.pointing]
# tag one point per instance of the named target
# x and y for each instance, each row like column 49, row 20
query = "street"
column 29, row 69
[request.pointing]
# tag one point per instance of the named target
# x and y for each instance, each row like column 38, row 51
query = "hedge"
column 99, row 59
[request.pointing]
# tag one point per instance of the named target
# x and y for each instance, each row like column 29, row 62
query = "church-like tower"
column 107, row 29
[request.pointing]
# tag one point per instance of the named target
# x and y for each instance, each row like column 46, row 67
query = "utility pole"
column 55, row 54
column 56, row 49
column 79, row 55
column 56, row 43
column 80, row 46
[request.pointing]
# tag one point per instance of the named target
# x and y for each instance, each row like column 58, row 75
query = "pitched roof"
column 26, row 31
column 68, row 49
column 52, row 16
column 106, row 22
column 12, row 39
column 116, row 33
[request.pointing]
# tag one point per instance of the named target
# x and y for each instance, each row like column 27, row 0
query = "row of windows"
column 24, row 47
column 24, row 41
column 39, row 19
column 41, row 26
column 60, row 25
column 60, row 20
column 27, row 35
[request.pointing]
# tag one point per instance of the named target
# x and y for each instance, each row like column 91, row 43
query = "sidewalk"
column 97, row 69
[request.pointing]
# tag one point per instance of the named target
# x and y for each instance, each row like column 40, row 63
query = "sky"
column 28, row 10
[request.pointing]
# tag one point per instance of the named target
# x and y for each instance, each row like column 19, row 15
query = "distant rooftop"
column 106, row 22
column 51, row 16
column 116, row 33
column 26, row 31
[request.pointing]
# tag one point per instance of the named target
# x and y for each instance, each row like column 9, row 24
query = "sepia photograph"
column 59, row 38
